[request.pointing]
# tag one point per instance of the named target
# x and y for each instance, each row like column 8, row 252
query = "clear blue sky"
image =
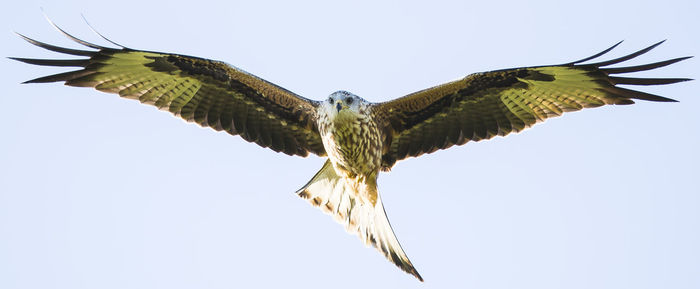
column 102, row 192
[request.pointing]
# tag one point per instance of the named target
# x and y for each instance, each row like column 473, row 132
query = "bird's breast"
column 353, row 144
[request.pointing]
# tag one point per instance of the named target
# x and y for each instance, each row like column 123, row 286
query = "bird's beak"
column 338, row 106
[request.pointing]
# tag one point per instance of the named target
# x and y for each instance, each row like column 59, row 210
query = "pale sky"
column 102, row 192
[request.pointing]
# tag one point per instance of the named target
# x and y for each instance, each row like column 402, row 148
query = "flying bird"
column 359, row 138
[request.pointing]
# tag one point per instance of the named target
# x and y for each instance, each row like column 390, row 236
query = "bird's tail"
column 349, row 205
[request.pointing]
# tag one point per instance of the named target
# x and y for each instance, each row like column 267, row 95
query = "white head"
column 342, row 103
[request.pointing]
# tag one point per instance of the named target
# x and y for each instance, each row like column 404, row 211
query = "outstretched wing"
column 483, row 105
column 210, row 93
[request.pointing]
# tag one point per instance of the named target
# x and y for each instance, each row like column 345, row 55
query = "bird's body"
column 359, row 138
column 350, row 135
column 346, row 186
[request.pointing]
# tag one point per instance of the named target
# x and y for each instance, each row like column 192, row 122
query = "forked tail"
column 336, row 197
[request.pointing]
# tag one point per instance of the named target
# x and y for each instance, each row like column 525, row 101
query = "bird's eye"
column 348, row 100
column 330, row 100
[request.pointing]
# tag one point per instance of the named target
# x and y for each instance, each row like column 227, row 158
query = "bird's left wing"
column 483, row 105
column 210, row 93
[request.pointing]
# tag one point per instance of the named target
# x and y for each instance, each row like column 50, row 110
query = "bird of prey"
column 359, row 138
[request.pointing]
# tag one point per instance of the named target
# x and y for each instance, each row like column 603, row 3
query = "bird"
column 358, row 138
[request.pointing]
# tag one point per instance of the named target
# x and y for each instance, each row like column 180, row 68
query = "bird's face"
column 341, row 102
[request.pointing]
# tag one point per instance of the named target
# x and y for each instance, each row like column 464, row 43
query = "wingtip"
column 30, row 81
column 685, row 57
column 679, row 59
column 17, row 59
column 26, row 38
column 24, row 60
column 71, row 37
column 657, row 44
column 100, row 34
column 595, row 55
column 615, row 45
column 678, row 80
column 626, row 57
column 48, row 18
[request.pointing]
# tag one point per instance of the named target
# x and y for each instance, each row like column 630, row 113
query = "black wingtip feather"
column 627, row 57
column 646, row 81
column 56, row 48
column 628, row 93
column 54, row 62
column 71, row 37
column 100, row 34
column 60, row 76
column 650, row 66
column 635, row 94
column 596, row 55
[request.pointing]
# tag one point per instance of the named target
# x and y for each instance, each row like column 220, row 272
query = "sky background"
column 102, row 192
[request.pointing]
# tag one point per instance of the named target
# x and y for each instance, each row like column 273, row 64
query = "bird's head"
column 342, row 102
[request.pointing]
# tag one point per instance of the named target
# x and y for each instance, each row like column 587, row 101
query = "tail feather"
column 332, row 194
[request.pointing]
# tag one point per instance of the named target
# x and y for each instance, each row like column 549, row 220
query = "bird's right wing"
column 210, row 93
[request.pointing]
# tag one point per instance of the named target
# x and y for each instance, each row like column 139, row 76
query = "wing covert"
column 210, row 93
column 483, row 105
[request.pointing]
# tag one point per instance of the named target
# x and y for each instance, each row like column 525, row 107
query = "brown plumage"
column 360, row 138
